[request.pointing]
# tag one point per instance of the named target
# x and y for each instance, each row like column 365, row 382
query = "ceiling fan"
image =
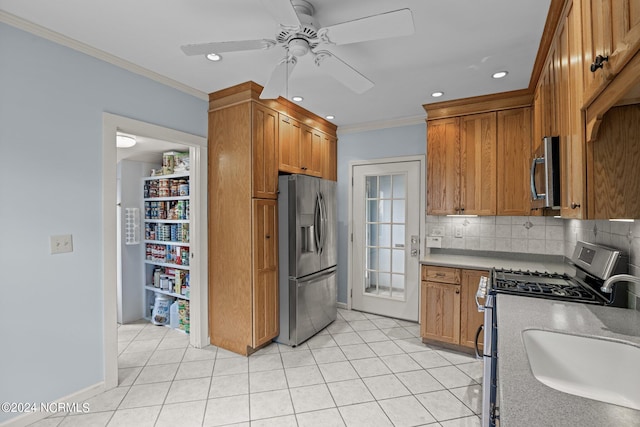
column 299, row 35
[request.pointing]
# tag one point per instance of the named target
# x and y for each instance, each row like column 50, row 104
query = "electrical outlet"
column 437, row 231
column 457, row 231
column 61, row 244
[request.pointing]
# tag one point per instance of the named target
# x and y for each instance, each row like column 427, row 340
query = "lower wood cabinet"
column 448, row 311
column 265, row 271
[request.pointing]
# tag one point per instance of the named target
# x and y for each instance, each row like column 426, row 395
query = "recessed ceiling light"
column 500, row 74
column 437, row 94
column 214, row 57
column 297, row 98
column 125, row 141
column 330, row 117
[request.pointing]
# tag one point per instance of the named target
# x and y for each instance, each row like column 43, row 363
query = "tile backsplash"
column 525, row 234
column 540, row 235
column 624, row 236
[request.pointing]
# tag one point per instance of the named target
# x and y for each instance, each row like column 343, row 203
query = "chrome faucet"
column 607, row 286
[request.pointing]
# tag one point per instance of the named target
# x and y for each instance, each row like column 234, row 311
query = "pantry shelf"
column 163, row 292
column 166, row 264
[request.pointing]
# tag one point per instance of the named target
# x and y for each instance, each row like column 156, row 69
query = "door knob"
column 598, row 63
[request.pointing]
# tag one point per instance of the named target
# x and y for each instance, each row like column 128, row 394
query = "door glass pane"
column 398, row 237
column 385, row 236
column 385, row 186
column 399, row 186
column 372, row 187
column 398, row 261
column 398, row 211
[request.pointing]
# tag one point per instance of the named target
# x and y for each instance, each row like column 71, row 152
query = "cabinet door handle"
column 457, row 291
column 268, row 236
column 439, row 274
column 575, row 205
column 598, row 63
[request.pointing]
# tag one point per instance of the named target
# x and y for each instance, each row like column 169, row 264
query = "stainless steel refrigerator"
column 308, row 254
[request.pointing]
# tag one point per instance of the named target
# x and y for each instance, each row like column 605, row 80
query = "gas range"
column 558, row 286
column 593, row 264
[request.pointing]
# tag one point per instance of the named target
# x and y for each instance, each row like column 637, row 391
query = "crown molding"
column 381, row 124
column 63, row 40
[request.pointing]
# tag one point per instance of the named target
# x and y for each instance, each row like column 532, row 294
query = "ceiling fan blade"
column 385, row 25
column 283, row 12
column 221, row 47
column 343, row 72
column 278, row 80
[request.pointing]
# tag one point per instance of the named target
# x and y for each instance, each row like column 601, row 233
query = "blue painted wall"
column 51, row 103
column 375, row 144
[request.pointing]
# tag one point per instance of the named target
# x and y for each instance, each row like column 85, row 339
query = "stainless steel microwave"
column 545, row 174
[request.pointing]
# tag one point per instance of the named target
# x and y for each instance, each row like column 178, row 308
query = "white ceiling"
column 456, row 47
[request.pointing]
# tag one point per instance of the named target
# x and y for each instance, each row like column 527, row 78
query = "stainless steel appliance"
column 545, row 174
column 308, row 256
column 593, row 265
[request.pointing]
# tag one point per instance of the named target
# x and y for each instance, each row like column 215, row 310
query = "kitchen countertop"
column 496, row 260
column 524, row 401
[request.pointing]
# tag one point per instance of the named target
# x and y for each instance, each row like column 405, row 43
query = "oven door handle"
column 476, row 342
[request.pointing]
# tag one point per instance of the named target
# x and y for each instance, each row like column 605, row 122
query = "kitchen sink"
column 594, row 368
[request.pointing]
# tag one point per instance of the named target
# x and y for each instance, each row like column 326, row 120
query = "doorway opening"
column 386, row 225
column 118, row 163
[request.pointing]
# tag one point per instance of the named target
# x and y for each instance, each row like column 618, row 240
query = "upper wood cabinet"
column 311, row 143
column 443, row 166
column 478, row 164
column 265, row 152
column 514, row 154
column 611, row 29
column 614, row 177
column 478, row 169
column 306, row 150
column 289, row 145
column 330, row 158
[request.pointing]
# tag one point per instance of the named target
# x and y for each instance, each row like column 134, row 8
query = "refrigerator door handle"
column 317, row 222
column 323, row 220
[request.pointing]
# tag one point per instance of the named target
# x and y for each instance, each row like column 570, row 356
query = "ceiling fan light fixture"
column 297, row 98
column 298, row 47
column 125, row 141
column 213, row 57
column 437, row 94
column 499, row 74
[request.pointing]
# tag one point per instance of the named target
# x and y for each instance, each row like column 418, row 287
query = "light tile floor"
column 362, row 370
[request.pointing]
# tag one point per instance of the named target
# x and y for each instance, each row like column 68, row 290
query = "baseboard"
column 31, row 417
column 342, row 305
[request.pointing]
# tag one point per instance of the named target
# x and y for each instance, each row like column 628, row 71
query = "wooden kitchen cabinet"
column 289, row 145
column 244, row 135
column 478, row 163
column 306, row 150
column 470, row 318
column 441, row 312
column 514, row 154
column 448, row 311
column 311, row 143
column 443, row 166
column 614, row 177
column 265, row 152
column 330, row 158
column 265, row 271
column 611, row 28
column 462, row 165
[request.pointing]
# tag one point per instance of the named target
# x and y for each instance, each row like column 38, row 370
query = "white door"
column 386, row 238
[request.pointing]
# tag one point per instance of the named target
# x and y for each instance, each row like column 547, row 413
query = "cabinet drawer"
column 441, row 274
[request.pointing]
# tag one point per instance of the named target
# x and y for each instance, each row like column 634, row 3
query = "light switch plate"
column 457, row 231
column 434, row 242
column 61, row 244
